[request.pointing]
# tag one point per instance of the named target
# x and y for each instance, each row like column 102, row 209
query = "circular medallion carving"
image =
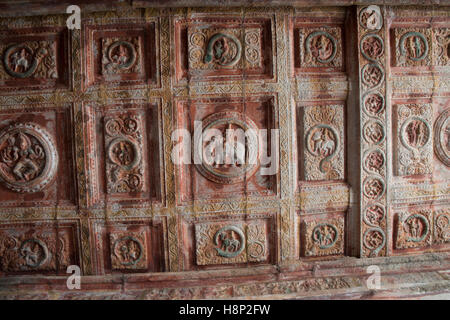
column 415, row 133
column 373, row 132
column 223, row 49
column 372, row 47
column 374, row 214
column 414, row 46
column 442, row 137
column 322, row 46
column 372, row 75
column 374, row 161
column 34, row 252
column 371, row 18
column 325, row 235
column 28, row 157
column 20, row 61
column 373, row 103
column 128, row 250
column 416, row 227
column 124, row 152
column 230, row 241
column 373, row 188
column 230, row 161
column 374, row 239
column 122, row 54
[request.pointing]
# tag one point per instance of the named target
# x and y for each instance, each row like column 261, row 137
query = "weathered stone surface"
column 347, row 103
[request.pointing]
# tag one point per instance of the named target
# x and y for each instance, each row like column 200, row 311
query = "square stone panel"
column 35, row 157
column 322, row 235
column 120, row 54
column 38, row 247
column 224, row 48
column 414, row 229
column 128, row 250
column 199, row 178
column 129, row 158
column 317, row 47
column 411, row 47
column 34, row 60
column 132, row 245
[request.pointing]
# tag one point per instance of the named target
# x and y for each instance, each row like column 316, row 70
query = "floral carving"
column 252, row 40
column 123, row 140
column 323, row 126
column 221, row 243
column 28, row 157
column 36, row 59
column 324, row 237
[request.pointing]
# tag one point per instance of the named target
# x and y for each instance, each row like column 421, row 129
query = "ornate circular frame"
column 13, row 73
column 242, row 121
column 141, row 249
column 225, row 253
column 51, row 163
column 321, row 33
column 439, row 127
column 130, row 47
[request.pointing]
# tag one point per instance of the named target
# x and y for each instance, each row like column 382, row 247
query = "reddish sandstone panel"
column 228, row 239
column 411, row 47
column 321, row 142
column 128, row 157
column 413, row 151
column 38, row 247
column 34, row 59
column 441, row 140
column 36, row 157
column 322, row 235
column 129, row 246
column 225, row 179
column 421, row 230
column 120, row 54
column 318, row 45
column 217, row 48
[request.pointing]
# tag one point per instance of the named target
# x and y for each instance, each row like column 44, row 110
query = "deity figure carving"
column 28, row 157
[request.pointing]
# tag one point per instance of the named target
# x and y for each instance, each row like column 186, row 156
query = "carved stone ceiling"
column 347, row 154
